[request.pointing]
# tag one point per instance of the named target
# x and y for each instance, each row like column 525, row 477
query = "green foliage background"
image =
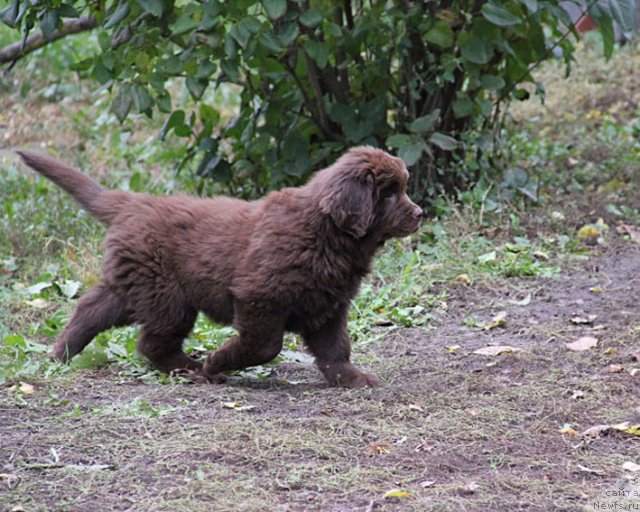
column 430, row 79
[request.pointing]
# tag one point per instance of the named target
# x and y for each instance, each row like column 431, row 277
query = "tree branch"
column 16, row 51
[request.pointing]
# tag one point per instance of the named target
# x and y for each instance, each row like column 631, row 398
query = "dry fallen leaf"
column 583, row 343
column 380, row 448
column 588, row 232
column 633, row 232
column 238, row 406
column 595, row 289
column 396, row 493
column 24, row 387
column 415, row 407
column 541, row 255
column 427, row 483
column 626, row 427
column 615, row 368
column 524, row 302
column 579, row 320
column 452, row 348
column 568, row 429
column 27, row 388
column 500, row 320
column 631, row 466
column 464, row 279
column 596, row 430
column 585, row 469
column 470, row 488
column 496, row 350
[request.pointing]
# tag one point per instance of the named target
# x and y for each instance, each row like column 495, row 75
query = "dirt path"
column 452, row 429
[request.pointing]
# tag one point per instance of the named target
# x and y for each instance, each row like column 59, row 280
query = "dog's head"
column 365, row 191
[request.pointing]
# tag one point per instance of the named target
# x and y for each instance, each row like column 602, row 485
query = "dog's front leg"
column 331, row 346
column 259, row 341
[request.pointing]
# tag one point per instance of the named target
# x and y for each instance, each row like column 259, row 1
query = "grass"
column 449, row 429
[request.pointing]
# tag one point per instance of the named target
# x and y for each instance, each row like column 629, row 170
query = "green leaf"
column 399, row 140
column 410, row 147
column 83, row 65
column 444, row 142
column 531, row 5
column 318, row 51
column 288, row 33
column 560, row 13
column 68, row 11
column 69, row 288
column 121, row 104
column 9, row 15
column 49, row 23
column 153, row 7
column 176, row 118
column 163, row 100
column 35, row 289
column 121, row 12
column 462, row 107
column 492, row 82
column 183, row 25
column 499, row 15
column 440, row 35
column 425, row 123
column 135, row 182
column 215, row 167
column 275, row 8
column 244, row 29
column 209, row 114
column 476, row 50
column 624, row 14
column 311, row 18
column 412, row 152
column 333, row 29
column 141, row 99
column 210, row 10
column 101, row 73
column 196, row 86
column 271, row 43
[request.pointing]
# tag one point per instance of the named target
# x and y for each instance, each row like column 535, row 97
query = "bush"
column 431, row 79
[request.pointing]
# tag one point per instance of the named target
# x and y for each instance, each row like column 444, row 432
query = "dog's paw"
column 192, row 376
column 216, row 378
column 353, row 378
column 59, row 356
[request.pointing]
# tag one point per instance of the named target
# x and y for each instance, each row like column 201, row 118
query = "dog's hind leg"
column 259, row 342
column 162, row 345
column 98, row 310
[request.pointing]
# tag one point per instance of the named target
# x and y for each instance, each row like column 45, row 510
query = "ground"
column 452, row 429
column 448, row 429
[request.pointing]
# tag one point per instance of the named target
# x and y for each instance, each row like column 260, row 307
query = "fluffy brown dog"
column 289, row 262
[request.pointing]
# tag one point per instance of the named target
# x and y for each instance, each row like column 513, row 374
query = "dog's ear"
column 349, row 203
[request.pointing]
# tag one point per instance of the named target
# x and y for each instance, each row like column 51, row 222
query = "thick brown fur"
column 289, row 262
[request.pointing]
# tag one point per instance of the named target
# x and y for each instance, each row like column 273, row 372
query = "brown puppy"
column 289, row 262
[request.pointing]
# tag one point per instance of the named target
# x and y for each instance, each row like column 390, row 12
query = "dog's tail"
column 82, row 188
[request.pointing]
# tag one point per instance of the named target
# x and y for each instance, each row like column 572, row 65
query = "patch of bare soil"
column 448, row 430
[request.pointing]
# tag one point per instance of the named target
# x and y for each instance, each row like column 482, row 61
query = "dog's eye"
column 389, row 190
